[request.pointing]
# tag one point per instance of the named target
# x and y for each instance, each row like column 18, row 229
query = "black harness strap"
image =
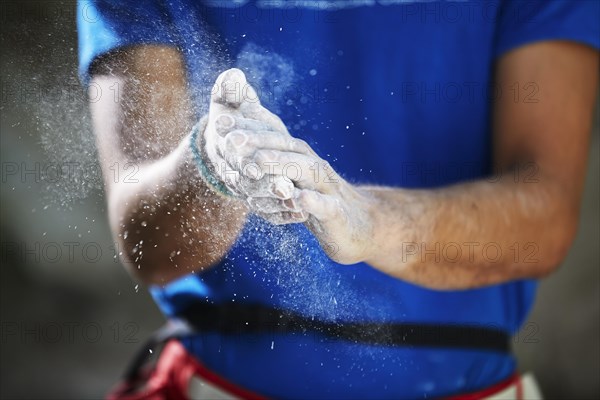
column 232, row 318
column 238, row 318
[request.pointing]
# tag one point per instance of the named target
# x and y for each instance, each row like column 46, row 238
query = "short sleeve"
column 525, row 21
column 105, row 25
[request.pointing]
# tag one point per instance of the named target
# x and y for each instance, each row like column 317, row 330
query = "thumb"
column 232, row 89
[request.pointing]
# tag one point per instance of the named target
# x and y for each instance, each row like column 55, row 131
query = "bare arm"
column 504, row 230
column 166, row 220
column 532, row 222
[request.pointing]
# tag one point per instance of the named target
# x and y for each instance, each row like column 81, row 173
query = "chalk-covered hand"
column 338, row 213
column 234, row 114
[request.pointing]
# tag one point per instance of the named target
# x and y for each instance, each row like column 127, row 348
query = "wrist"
column 207, row 173
column 373, row 209
column 392, row 228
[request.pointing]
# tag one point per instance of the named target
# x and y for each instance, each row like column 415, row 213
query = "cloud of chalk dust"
column 59, row 102
column 42, row 91
column 270, row 73
column 303, row 278
column 289, row 255
column 69, row 146
column 299, row 274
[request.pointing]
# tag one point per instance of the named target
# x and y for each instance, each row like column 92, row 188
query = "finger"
column 255, row 110
column 273, row 140
column 272, row 205
column 240, row 145
column 323, row 207
column 226, row 123
column 281, row 187
column 307, row 172
column 230, row 88
column 284, row 218
column 268, row 186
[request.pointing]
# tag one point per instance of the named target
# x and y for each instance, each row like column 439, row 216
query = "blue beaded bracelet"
column 207, row 176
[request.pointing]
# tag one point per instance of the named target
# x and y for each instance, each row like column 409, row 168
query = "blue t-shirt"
column 394, row 93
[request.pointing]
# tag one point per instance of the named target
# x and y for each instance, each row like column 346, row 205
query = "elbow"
column 143, row 271
column 149, row 275
column 129, row 240
column 148, row 266
column 139, row 265
column 562, row 235
column 155, row 245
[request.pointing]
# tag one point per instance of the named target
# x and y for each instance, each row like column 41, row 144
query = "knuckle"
column 264, row 156
column 225, row 121
column 259, row 157
column 236, row 140
column 299, row 144
column 252, row 141
column 309, row 199
column 251, row 168
column 229, row 140
column 304, row 196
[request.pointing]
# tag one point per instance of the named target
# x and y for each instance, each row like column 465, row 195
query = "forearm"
column 473, row 234
column 167, row 222
column 531, row 224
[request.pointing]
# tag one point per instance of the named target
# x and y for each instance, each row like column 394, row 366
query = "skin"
column 182, row 224
column 389, row 228
column 165, row 219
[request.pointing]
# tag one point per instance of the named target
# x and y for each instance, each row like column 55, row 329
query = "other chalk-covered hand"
column 338, row 213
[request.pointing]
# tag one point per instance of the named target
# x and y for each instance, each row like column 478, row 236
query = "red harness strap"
column 492, row 390
column 175, row 367
column 171, row 377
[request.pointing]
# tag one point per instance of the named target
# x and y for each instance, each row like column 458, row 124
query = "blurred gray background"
column 72, row 317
